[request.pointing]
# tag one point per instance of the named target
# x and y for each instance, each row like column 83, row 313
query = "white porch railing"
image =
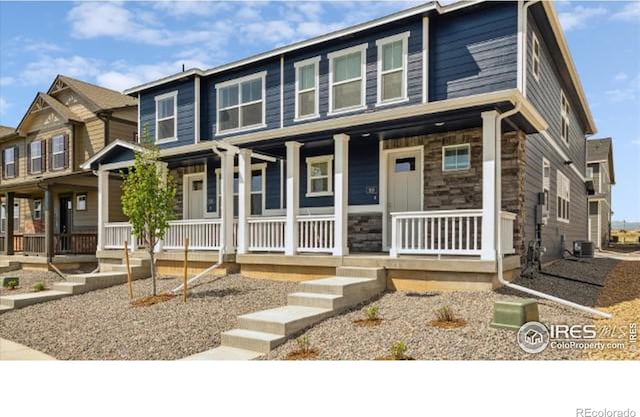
column 315, row 233
column 506, row 232
column 444, row 232
column 266, row 234
column 203, row 234
column 115, row 235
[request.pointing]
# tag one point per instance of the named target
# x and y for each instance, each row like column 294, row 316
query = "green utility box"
column 513, row 313
column 7, row 280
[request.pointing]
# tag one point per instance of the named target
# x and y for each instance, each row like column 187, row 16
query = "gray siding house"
column 419, row 142
column 600, row 171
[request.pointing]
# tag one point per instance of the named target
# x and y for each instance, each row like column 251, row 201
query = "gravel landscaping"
column 28, row 278
column 103, row 325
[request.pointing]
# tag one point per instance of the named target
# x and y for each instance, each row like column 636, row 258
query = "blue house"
column 423, row 142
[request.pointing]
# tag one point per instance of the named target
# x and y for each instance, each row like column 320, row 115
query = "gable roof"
column 102, row 98
column 6, row 131
column 41, row 101
column 601, row 150
column 111, row 149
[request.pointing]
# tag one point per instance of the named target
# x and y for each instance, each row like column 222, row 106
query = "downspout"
column 497, row 222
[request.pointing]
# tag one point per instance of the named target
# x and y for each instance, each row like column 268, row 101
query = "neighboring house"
column 600, row 171
column 49, row 204
column 376, row 144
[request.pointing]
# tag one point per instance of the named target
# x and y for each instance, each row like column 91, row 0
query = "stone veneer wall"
column 178, row 174
column 365, row 232
column 463, row 189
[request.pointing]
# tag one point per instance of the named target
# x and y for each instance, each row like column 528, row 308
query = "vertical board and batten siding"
column 414, row 65
column 545, row 96
column 474, row 52
column 185, row 113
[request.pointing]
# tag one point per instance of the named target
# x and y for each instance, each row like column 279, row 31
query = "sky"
column 122, row 44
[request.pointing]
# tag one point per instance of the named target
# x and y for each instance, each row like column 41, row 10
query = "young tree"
column 147, row 200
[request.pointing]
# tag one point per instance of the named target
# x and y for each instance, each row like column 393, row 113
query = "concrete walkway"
column 12, row 351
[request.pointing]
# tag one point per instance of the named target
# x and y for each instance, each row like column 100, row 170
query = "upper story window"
column 535, row 57
column 307, row 88
column 10, row 164
column 319, row 176
column 392, row 68
column 564, row 197
column 456, row 157
column 166, row 119
column 546, row 181
column 241, row 103
column 58, row 152
column 36, row 152
column 347, row 79
column 564, row 116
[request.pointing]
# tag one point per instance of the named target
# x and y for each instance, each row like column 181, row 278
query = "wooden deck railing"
column 76, row 243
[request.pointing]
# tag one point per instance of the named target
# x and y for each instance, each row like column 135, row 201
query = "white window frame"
column 563, row 192
column 78, row 199
column 254, row 167
column 37, row 209
column 54, row 153
column 546, row 183
column 311, row 160
column 13, row 162
column 315, row 61
column 380, row 43
column 41, row 157
column 362, row 49
column 535, row 57
column 450, row 147
column 174, row 96
column 564, row 117
column 262, row 75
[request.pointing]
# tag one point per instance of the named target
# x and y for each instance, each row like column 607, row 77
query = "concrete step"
column 26, row 299
column 312, row 299
column 99, row 279
column 70, row 287
column 340, row 285
column 282, row 321
column 251, row 340
column 5, row 308
column 225, row 353
column 361, row 272
column 137, row 271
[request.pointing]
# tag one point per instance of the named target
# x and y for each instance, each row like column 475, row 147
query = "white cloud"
column 4, row 105
column 621, row 94
column 46, row 68
column 578, row 16
column 621, row 76
column 636, row 142
column 630, row 11
column 182, row 9
column 6, row 80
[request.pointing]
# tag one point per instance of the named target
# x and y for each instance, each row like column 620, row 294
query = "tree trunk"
column 153, row 271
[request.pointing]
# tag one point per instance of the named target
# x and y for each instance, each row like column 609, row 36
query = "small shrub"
column 371, row 313
column 398, row 350
column 445, row 314
column 39, row 287
column 11, row 284
column 304, row 345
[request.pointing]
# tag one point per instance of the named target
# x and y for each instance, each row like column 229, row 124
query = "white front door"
column 404, row 184
column 194, row 197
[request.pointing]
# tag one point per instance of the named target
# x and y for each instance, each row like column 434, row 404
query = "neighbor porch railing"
column 444, row 232
column 77, row 243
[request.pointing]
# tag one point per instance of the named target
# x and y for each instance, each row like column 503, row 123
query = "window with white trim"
column 564, row 197
column 319, row 175
column 392, row 68
column 57, row 152
column 456, row 157
column 10, row 162
column 347, row 79
column 546, row 181
column 258, row 179
column 35, row 150
column 564, row 116
column 241, row 103
column 81, row 202
column 535, row 57
column 307, row 88
column 166, row 119
column 37, row 209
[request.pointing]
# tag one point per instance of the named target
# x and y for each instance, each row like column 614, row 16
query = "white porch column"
column 341, row 194
column 226, row 209
column 293, row 197
column 103, row 205
column 489, row 207
column 244, row 199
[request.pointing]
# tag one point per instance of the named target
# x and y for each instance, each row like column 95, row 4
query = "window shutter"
column 28, row 158
column 43, row 154
column 4, row 169
column 66, row 151
column 49, row 153
column 16, row 158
